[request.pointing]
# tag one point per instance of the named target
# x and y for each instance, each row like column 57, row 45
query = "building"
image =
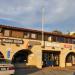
column 24, row 45
column 71, row 33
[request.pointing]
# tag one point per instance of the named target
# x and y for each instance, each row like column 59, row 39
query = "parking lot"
column 31, row 70
column 45, row 71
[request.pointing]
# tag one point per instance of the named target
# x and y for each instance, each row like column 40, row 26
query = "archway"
column 21, row 56
column 70, row 59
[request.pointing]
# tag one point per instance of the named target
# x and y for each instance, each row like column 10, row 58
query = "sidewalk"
column 56, row 71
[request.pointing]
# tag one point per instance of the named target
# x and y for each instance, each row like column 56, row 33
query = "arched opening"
column 21, row 56
column 1, row 55
column 70, row 59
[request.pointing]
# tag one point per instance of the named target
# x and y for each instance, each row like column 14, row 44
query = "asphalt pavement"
column 44, row 71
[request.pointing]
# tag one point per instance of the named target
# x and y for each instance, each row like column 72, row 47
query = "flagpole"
column 43, row 21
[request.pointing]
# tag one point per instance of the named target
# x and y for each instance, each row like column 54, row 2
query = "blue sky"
column 59, row 14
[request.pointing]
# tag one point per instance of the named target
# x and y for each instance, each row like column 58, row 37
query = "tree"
column 71, row 33
column 57, row 32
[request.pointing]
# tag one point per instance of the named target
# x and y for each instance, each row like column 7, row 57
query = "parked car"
column 6, row 67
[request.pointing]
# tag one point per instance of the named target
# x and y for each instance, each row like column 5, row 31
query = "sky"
column 58, row 14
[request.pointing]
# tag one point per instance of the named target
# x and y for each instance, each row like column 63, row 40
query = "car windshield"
column 4, row 61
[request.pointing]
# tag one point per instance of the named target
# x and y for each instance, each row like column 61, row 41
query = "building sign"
column 12, row 41
column 68, row 46
column 34, row 43
column 59, row 45
column 53, row 45
column 48, row 44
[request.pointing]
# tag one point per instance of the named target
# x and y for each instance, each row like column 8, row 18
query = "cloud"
column 60, row 10
column 14, row 7
column 29, row 12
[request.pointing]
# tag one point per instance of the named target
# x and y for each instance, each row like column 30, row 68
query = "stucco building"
column 24, row 46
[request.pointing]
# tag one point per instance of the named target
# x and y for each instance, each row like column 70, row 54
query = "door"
column 50, row 58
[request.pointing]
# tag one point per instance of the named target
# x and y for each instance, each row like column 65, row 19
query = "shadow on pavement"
column 74, row 73
column 26, row 70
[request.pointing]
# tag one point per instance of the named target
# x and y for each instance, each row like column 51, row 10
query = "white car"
column 6, row 67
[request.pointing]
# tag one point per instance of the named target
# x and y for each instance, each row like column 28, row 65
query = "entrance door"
column 50, row 58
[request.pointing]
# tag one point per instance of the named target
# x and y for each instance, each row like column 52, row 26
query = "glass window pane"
column 69, row 40
column 54, row 38
column 73, row 41
column 60, row 39
column 26, row 35
column 0, row 30
column 33, row 35
column 6, row 32
column 66, row 40
column 39, row 37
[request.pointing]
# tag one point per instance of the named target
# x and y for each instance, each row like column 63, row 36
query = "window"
column 0, row 30
column 69, row 40
column 33, row 35
column 46, row 37
column 60, row 39
column 17, row 34
column 39, row 37
column 54, row 38
column 26, row 35
column 73, row 41
column 66, row 40
column 6, row 32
